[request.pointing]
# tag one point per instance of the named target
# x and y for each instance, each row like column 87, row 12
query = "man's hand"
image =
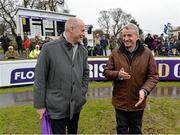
column 141, row 98
column 40, row 112
column 124, row 74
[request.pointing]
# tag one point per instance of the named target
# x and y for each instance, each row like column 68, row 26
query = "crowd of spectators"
column 101, row 44
column 30, row 48
column 159, row 45
column 163, row 46
column 27, row 48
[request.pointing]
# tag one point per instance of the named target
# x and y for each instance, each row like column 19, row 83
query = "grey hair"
column 131, row 26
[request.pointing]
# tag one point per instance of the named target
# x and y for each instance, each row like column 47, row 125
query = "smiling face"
column 78, row 33
column 74, row 30
column 130, row 37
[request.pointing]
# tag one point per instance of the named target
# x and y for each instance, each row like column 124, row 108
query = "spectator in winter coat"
column 104, row 44
column 148, row 41
column 11, row 53
column 27, row 44
column 19, row 44
column 5, row 42
column 162, row 48
column 35, row 52
column 154, row 44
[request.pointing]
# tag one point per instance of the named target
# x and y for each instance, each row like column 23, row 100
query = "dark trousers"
column 129, row 122
column 5, row 49
column 104, row 51
column 59, row 125
column 20, row 49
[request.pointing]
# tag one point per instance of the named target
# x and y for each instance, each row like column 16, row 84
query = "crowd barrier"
column 21, row 72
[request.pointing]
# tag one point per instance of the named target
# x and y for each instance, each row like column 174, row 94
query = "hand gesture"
column 141, row 98
column 124, row 74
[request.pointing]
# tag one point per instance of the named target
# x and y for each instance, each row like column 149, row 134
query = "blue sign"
column 168, row 70
column 96, row 69
column 22, row 75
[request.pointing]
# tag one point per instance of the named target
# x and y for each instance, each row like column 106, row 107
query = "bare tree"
column 7, row 12
column 119, row 19
column 116, row 20
column 25, row 3
column 8, row 9
column 104, row 21
column 50, row 5
column 3, row 27
column 28, row 3
column 41, row 4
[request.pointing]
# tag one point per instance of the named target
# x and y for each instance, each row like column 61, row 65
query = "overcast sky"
column 151, row 15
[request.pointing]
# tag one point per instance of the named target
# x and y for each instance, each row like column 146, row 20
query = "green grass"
column 92, row 84
column 15, row 89
column 100, row 84
column 22, row 119
column 97, row 116
column 168, row 84
column 163, row 116
column 1, row 51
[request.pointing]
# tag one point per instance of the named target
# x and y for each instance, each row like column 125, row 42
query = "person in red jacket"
column 27, row 43
column 134, row 73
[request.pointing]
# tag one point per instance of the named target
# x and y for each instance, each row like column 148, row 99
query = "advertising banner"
column 169, row 68
column 21, row 72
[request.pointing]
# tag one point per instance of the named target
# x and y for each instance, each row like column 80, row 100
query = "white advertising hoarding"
column 17, row 72
column 20, row 72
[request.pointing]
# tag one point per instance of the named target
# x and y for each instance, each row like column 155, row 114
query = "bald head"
column 73, row 22
column 74, row 30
